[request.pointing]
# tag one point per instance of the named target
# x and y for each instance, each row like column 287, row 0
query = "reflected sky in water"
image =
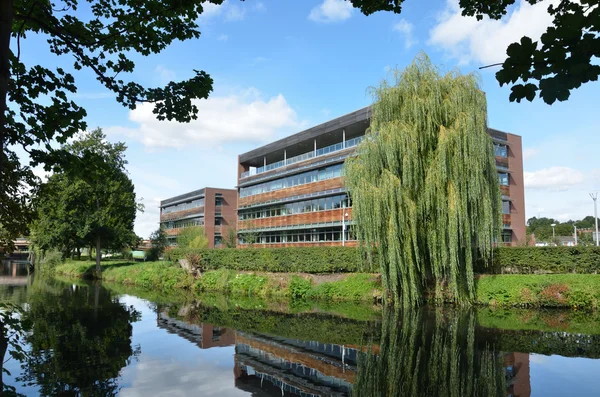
column 170, row 349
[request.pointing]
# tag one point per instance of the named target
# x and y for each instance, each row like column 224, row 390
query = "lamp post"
column 553, row 235
column 575, row 233
column 594, row 197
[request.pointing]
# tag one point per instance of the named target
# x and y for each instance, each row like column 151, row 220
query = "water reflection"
column 89, row 341
column 80, row 340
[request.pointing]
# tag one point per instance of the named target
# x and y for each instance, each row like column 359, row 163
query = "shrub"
column 291, row 259
column 51, row 259
column 582, row 259
column 299, row 287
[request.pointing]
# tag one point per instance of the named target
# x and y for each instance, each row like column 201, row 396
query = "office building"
column 212, row 208
column 291, row 191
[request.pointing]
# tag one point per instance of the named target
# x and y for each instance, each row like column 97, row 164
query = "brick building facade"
column 291, row 191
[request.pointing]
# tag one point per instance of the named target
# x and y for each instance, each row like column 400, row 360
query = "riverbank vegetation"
column 168, row 276
column 424, row 185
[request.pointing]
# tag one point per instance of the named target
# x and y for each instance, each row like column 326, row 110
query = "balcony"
column 305, row 156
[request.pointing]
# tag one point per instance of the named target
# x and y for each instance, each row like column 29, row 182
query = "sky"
column 283, row 66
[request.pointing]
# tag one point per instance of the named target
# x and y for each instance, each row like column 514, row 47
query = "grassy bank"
column 167, row 277
column 577, row 291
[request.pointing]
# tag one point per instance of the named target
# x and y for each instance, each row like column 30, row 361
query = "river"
column 89, row 339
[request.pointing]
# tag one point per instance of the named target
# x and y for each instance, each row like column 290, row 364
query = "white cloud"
column 235, row 13
column 210, row 10
column 529, row 153
column 244, row 117
column 223, row 37
column 553, row 178
column 469, row 40
column 405, row 29
column 331, row 11
column 260, row 6
column 165, row 75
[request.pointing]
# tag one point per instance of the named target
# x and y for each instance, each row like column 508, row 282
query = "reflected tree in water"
column 426, row 353
column 80, row 340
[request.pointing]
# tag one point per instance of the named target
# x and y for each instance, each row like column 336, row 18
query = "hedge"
column 289, row 259
column 581, row 259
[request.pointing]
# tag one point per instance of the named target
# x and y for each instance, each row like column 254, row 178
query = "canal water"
column 86, row 339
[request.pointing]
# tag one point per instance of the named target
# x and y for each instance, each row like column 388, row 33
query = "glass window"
column 217, row 221
column 507, row 237
column 500, row 150
column 503, row 178
column 506, row 207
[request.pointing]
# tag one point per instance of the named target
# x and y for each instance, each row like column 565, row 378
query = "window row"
column 500, row 150
column 185, row 223
column 300, row 236
column 184, row 206
column 321, row 174
column 299, row 207
column 503, row 178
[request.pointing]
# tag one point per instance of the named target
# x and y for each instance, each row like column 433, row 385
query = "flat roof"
column 360, row 115
column 311, row 133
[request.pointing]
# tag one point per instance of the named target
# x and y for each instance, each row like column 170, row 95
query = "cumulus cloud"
column 553, row 178
column 241, row 118
column 331, row 11
column 469, row 40
column 405, row 29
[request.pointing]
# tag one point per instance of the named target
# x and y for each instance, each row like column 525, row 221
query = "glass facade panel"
column 503, row 178
column 294, row 180
column 184, row 223
column 183, row 206
column 506, row 207
column 303, row 236
column 299, row 207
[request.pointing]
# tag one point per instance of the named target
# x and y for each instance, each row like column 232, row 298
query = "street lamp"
column 344, row 216
column 594, row 197
column 554, row 224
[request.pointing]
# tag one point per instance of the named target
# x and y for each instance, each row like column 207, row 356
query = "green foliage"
column 578, row 291
column 192, row 237
column 50, row 260
column 424, row 185
column 80, row 339
column 307, row 326
column 161, row 275
column 92, row 205
column 159, row 242
column 230, row 237
column 355, row 287
column 579, row 259
column 291, row 259
column 299, row 287
column 104, row 41
column 561, row 61
column 422, row 354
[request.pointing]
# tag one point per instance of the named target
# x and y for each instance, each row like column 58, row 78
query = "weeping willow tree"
column 424, row 186
column 426, row 354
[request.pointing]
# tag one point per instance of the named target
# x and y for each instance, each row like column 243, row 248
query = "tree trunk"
column 78, row 253
column 6, row 21
column 90, row 252
column 98, row 255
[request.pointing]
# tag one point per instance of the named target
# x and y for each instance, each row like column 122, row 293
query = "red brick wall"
column 517, row 189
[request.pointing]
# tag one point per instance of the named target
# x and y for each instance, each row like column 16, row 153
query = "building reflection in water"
column 518, row 382
column 270, row 365
column 202, row 335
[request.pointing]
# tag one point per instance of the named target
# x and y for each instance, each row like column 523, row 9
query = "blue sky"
column 282, row 66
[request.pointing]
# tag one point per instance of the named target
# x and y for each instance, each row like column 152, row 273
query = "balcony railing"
column 305, row 156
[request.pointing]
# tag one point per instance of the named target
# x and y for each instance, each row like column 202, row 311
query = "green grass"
column 356, row 287
column 161, row 275
column 577, row 291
